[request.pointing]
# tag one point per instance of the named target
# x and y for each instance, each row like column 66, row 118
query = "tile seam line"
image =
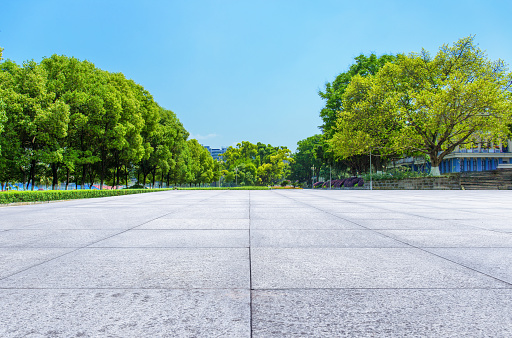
column 258, row 247
column 407, row 244
column 83, row 247
column 250, row 274
column 257, row 289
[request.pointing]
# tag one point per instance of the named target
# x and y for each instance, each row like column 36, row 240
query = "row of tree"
column 67, row 120
column 409, row 105
column 255, row 164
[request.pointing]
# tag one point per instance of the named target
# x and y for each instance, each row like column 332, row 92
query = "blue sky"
column 244, row 70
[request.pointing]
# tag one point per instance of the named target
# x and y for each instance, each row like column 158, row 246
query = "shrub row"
column 346, row 182
column 56, row 195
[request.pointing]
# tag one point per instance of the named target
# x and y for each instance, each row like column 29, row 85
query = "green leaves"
column 333, row 94
column 256, row 163
column 426, row 105
column 67, row 114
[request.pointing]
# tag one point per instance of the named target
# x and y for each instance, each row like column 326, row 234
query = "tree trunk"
column 102, row 174
column 84, row 173
column 32, row 174
column 118, row 171
column 154, row 176
column 24, row 177
column 91, row 178
column 55, row 178
column 67, row 178
column 144, row 179
column 434, row 164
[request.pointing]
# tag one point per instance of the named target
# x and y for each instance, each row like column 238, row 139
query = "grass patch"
column 57, row 195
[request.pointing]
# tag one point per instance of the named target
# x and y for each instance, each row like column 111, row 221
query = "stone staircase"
column 500, row 179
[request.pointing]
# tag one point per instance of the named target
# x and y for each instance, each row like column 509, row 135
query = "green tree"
column 37, row 118
column 333, row 93
column 430, row 105
column 3, row 117
column 305, row 158
column 200, row 163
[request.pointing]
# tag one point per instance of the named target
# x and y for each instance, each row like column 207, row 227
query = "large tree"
column 364, row 66
column 429, row 105
column 333, row 93
column 305, row 159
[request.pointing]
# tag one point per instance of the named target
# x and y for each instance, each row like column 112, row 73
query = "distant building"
column 461, row 160
column 215, row 152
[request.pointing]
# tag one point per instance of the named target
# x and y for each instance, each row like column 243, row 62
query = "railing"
column 479, row 151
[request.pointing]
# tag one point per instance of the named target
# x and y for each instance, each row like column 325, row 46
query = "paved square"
column 278, row 263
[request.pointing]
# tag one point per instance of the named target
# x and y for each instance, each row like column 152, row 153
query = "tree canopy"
column 250, row 164
column 333, row 93
column 66, row 120
column 424, row 104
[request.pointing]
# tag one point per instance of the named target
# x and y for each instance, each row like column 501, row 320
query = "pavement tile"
column 452, row 238
column 197, row 223
column 359, row 268
column 30, row 238
column 495, row 262
column 13, row 260
column 178, row 239
column 354, row 216
column 302, row 223
column 504, row 225
column 209, row 215
column 321, row 239
column 124, row 313
column 139, row 268
column 382, row 313
column 412, row 224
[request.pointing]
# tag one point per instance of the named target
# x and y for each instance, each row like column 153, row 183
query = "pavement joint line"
column 250, row 273
column 408, row 244
column 257, row 247
column 83, row 247
column 245, row 289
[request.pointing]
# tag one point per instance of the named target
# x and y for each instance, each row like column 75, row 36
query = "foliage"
column 333, row 93
column 305, row 158
column 66, row 120
column 57, row 195
column 285, row 183
column 426, row 105
column 250, row 164
column 396, row 174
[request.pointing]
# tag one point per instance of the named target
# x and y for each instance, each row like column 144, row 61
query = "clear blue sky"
column 236, row 70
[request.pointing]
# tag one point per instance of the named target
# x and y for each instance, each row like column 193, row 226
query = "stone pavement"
column 276, row 263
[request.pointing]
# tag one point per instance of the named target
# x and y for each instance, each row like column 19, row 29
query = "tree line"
column 255, row 164
column 416, row 104
column 66, row 120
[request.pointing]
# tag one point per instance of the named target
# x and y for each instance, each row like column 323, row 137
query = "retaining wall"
column 421, row 183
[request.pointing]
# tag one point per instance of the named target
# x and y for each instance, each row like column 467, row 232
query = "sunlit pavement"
column 259, row 263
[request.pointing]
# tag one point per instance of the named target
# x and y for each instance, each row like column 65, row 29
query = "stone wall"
column 499, row 179
column 422, row 183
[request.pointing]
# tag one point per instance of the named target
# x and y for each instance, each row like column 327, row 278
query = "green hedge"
column 56, row 195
